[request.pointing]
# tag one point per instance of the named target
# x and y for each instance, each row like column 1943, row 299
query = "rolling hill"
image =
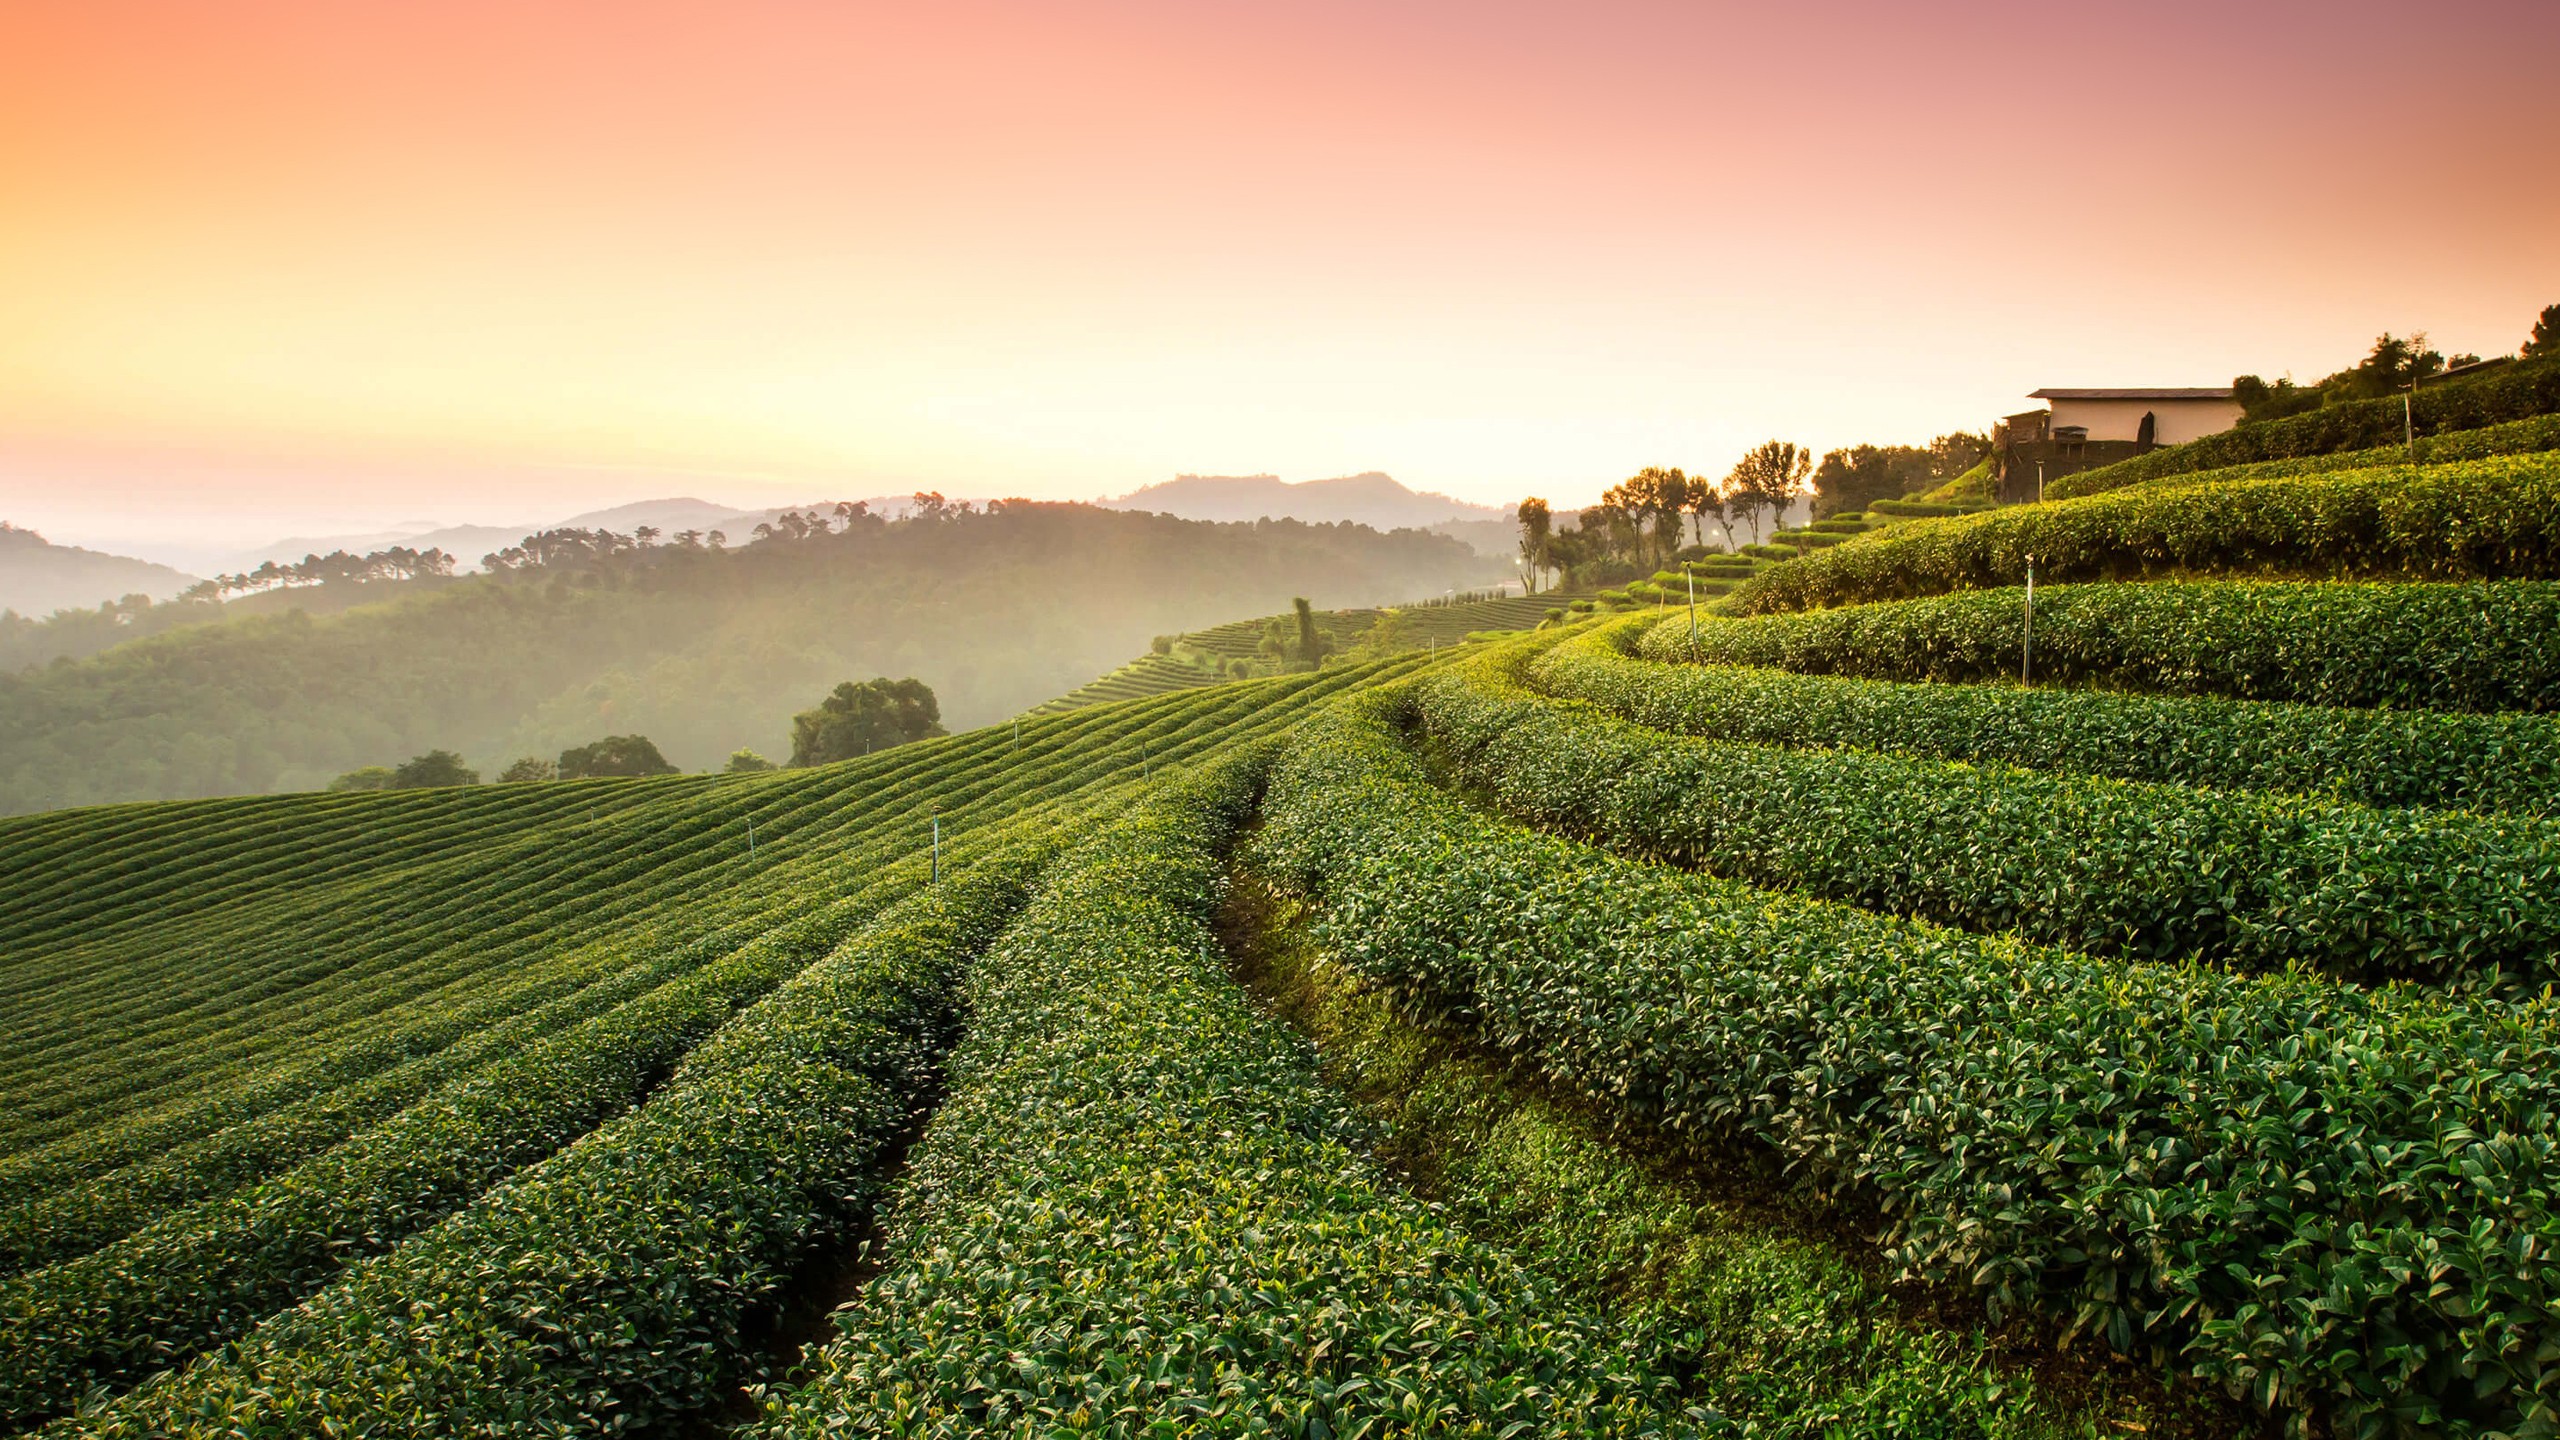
column 38, row 577
column 702, row 650
column 1787, row 1022
column 1369, row 498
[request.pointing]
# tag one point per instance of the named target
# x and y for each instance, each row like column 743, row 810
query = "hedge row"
column 2518, row 392
column 2499, row 764
column 208, row 1273
column 1139, row 1214
column 2145, row 872
column 2320, row 1197
column 2480, row 519
column 79, row 1215
column 2516, row 437
column 1783, row 1332
column 607, row 1289
column 2433, row 647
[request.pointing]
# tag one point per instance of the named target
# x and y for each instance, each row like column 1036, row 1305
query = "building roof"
column 2213, row 392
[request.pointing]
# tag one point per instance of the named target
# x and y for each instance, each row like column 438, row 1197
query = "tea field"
column 1782, row 1022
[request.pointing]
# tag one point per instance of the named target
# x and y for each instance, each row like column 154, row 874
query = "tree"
column 2545, row 339
column 2260, row 401
column 1767, row 478
column 2394, row 365
column 857, row 719
column 1855, row 478
column 1310, row 639
column 1952, row 455
column 371, row 777
column 1537, row 532
column 1651, row 501
column 432, row 770
column 746, row 762
column 528, row 768
column 1705, row 500
column 614, row 755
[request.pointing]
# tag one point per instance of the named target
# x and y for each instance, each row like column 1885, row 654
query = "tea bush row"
column 2516, row 437
column 2476, row 519
column 2147, row 872
column 1138, row 1213
column 2327, row 1199
column 610, row 1287
column 2478, row 647
column 2500, row 764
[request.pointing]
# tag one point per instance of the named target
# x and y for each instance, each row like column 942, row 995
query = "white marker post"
column 2027, row 648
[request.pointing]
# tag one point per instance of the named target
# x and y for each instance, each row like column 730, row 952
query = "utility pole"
column 937, row 848
column 1692, row 577
column 2409, row 414
column 751, row 840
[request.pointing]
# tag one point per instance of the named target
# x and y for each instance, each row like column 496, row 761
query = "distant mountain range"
column 69, row 576
column 1369, row 498
column 38, row 577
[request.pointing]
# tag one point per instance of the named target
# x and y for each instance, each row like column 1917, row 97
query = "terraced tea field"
column 1204, row 657
column 1786, row 1023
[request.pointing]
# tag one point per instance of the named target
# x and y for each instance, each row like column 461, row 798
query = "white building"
column 2177, row 416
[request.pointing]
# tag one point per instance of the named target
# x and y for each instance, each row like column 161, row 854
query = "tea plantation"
column 1779, row 1022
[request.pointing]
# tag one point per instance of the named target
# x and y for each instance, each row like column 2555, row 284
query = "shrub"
column 2149, row 872
column 2431, row 647
column 2492, row 763
column 746, row 762
column 2307, row 1193
column 370, row 777
column 1139, row 1212
column 2516, row 437
column 2480, row 519
column 528, row 768
column 614, row 1280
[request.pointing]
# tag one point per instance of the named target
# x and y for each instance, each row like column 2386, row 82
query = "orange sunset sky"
column 268, row 264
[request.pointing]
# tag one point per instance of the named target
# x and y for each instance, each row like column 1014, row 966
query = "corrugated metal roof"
column 2222, row 392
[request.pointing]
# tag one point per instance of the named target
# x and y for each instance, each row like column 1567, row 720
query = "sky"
column 284, row 266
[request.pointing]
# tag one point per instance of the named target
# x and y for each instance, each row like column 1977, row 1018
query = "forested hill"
column 703, row 650
column 38, row 577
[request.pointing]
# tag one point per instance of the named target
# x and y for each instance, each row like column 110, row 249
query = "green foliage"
column 746, row 762
column 2311, row 1194
column 528, row 768
column 1138, row 1212
column 702, row 650
column 2473, row 647
column 2504, row 763
column 617, row 1277
column 2545, row 339
column 1782, row 1332
column 436, row 767
column 2147, row 872
column 625, row 755
column 2516, row 437
column 2477, row 519
column 206, row 1135
column 370, row 777
column 1855, row 478
column 856, row 719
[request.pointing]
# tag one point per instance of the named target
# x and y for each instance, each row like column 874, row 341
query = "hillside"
column 1243, row 648
column 703, row 651
column 1369, row 498
column 1891, row 1011
column 38, row 577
